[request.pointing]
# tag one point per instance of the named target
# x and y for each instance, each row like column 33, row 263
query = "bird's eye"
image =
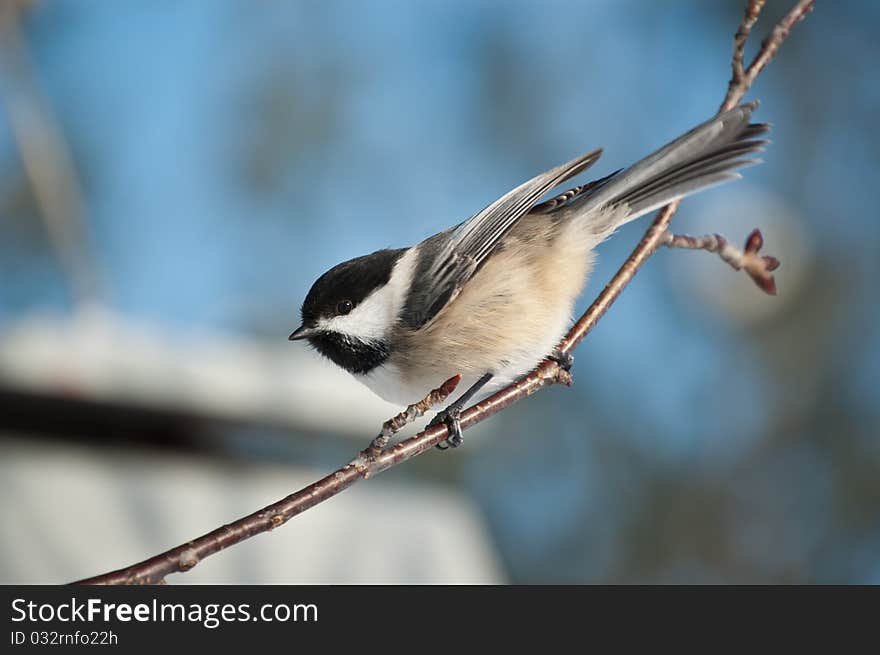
column 344, row 307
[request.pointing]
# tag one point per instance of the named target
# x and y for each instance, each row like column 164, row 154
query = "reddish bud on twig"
column 758, row 267
column 754, row 242
column 393, row 425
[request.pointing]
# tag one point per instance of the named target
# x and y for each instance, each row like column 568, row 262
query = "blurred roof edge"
column 98, row 356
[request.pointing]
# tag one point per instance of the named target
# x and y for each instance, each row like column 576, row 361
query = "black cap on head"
column 345, row 285
column 338, row 292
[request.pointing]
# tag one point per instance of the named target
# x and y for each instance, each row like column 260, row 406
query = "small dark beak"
column 303, row 332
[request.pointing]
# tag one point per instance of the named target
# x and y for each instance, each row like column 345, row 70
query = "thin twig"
column 547, row 373
column 646, row 247
column 753, row 10
column 742, row 81
column 186, row 556
column 393, row 425
column 759, row 267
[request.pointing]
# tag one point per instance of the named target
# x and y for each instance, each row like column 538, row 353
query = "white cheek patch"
column 369, row 321
column 377, row 314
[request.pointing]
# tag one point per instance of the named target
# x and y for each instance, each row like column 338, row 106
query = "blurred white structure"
column 97, row 355
column 70, row 513
column 71, row 510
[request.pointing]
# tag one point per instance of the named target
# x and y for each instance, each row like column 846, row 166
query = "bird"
column 491, row 297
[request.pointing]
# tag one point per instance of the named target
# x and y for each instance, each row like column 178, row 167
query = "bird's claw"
column 564, row 359
column 451, row 417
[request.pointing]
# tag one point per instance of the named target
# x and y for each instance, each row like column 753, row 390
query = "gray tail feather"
column 706, row 156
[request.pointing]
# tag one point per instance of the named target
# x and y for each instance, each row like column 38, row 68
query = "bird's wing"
column 448, row 260
column 565, row 198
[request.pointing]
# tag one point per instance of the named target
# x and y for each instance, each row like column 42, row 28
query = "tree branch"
column 393, row 425
column 374, row 459
column 742, row 81
column 759, row 267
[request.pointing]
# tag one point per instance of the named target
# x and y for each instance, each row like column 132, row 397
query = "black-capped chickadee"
column 491, row 297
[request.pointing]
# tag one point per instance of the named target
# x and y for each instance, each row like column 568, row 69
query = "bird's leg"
column 565, row 360
column 450, row 415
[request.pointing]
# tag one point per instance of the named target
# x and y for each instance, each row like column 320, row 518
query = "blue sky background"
column 230, row 152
